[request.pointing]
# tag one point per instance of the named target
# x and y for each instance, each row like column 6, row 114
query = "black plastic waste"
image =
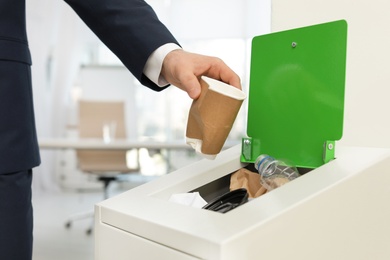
column 228, row 201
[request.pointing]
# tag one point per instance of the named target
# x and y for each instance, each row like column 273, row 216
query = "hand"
column 184, row 69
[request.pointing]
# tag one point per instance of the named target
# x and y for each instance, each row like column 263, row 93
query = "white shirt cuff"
column 153, row 65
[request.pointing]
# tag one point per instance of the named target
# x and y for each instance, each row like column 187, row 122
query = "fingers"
column 178, row 69
column 184, row 69
column 220, row 71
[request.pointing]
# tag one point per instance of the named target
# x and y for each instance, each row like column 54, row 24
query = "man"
column 133, row 32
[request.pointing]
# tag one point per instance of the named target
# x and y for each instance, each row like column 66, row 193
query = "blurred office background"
column 71, row 64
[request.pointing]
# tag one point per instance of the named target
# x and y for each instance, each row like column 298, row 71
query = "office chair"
column 106, row 165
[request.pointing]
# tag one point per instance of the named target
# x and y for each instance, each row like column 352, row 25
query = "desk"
column 118, row 144
column 99, row 144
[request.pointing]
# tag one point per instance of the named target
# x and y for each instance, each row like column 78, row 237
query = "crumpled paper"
column 192, row 199
column 249, row 180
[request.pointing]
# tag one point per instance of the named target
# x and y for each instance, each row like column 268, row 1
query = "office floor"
column 52, row 210
column 51, row 239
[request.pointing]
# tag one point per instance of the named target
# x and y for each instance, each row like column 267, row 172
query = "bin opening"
column 223, row 186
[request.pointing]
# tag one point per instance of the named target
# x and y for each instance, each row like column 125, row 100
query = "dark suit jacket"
column 129, row 28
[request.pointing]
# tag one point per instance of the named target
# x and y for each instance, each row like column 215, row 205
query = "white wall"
column 367, row 103
column 213, row 19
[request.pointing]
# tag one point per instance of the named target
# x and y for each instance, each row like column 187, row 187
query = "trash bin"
column 335, row 211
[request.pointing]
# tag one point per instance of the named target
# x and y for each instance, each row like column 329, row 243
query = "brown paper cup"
column 212, row 115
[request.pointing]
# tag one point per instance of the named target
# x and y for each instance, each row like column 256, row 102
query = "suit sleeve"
column 129, row 28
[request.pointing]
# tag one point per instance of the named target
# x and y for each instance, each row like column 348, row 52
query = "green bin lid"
column 296, row 94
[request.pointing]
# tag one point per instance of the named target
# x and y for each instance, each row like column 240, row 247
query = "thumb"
column 192, row 87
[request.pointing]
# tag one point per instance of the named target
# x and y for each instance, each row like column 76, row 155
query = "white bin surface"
column 340, row 211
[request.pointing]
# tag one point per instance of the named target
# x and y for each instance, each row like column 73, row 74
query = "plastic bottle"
column 274, row 173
